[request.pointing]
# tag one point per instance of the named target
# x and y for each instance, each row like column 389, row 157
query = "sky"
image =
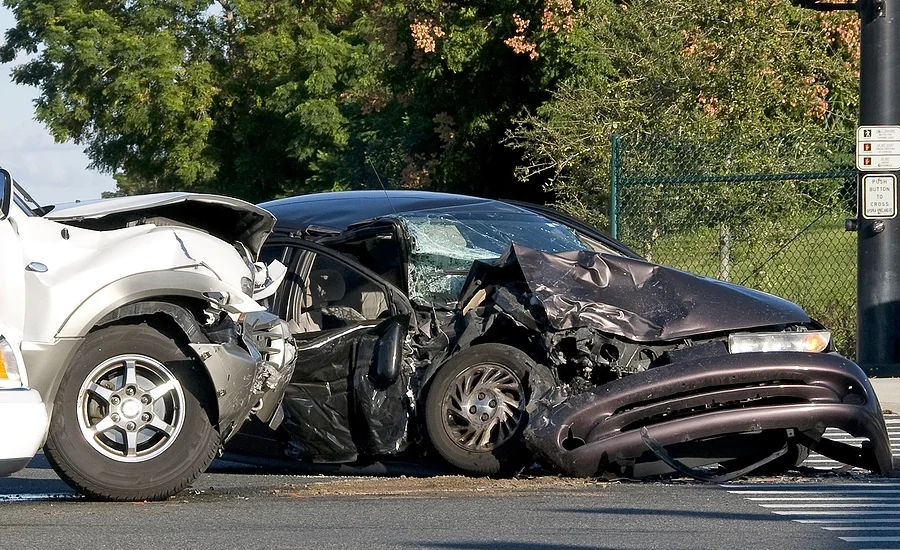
column 51, row 172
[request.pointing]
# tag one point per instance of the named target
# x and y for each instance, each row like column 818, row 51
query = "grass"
column 815, row 267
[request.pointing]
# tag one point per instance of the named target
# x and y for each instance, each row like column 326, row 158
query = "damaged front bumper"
column 724, row 401
column 250, row 372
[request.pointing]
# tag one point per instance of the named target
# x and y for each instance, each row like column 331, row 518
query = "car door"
column 348, row 394
column 12, row 270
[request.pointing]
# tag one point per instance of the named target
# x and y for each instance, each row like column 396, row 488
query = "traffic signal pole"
column 878, row 166
column 878, row 162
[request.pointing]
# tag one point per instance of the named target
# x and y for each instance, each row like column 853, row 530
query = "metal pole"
column 614, row 168
column 878, row 252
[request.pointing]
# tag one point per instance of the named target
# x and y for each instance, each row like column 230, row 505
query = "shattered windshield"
column 444, row 244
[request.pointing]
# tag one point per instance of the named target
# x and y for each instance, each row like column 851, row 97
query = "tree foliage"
column 260, row 98
column 265, row 98
column 722, row 86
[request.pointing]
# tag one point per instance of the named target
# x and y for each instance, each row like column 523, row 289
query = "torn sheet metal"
column 638, row 300
column 693, row 405
column 224, row 217
column 337, row 408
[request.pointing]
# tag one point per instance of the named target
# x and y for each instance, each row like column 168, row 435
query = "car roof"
column 341, row 209
column 338, row 210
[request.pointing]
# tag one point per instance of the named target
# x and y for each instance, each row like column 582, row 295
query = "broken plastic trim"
column 697, row 474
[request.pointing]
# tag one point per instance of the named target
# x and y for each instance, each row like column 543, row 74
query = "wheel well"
column 176, row 318
column 518, row 340
column 515, row 339
column 181, row 312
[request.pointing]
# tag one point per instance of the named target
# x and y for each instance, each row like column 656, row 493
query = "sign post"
column 878, row 162
column 878, row 165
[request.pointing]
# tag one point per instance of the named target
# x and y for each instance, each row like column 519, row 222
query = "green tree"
column 243, row 98
column 261, row 98
column 722, row 86
column 454, row 79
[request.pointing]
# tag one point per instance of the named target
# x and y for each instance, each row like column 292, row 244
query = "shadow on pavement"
column 19, row 486
column 236, row 463
column 39, row 462
column 730, row 516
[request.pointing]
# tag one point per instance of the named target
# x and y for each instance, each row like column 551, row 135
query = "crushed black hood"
column 635, row 299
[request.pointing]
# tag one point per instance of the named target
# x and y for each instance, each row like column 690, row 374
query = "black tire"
column 481, row 393
column 149, row 399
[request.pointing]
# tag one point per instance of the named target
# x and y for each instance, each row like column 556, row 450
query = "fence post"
column 615, row 168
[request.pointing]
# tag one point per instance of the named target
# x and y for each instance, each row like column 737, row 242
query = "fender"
column 179, row 315
column 47, row 361
column 148, row 285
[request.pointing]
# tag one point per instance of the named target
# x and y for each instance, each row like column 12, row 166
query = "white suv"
column 138, row 324
column 23, row 418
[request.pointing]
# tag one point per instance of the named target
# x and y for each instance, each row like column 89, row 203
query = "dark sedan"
column 494, row 331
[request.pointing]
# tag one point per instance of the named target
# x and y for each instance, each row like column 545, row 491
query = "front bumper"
column 694, row 401
column 23, row 428
column 250, row 374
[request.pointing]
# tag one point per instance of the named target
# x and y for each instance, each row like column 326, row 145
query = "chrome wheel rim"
column 131, row 408
column 483, row 407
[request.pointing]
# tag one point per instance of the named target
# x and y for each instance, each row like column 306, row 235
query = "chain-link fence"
column 782, row 233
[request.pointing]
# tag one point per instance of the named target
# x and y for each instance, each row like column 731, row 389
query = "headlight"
column 747, row 342
column 9, row 366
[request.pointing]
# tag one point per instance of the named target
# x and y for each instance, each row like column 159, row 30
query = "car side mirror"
column 7, row 197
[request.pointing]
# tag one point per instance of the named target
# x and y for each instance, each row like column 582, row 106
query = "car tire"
column 475, row 409
column 131, row 419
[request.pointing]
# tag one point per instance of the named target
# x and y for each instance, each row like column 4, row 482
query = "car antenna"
column 383, row 188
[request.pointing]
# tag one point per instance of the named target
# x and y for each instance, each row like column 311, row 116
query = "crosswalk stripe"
column 867, row 513
column 867, row 528
column 808, row 486
column 847, row 520
column 817, row 499
column 894, row 505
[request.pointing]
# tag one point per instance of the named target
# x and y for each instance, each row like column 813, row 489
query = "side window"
column 380, row 253
column 335, row 295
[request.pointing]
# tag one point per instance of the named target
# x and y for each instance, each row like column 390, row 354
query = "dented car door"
column 348, row 392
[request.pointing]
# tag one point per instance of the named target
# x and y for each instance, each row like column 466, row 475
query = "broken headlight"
column 748, row 342
column 9, row 366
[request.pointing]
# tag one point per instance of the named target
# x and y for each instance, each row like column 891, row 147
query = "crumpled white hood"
column 227, row 218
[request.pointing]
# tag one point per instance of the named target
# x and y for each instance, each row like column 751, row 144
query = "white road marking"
column 865, row 515
column 846, row 520
column 813, row 499
column 890, row 504
column 895, row 512
column 867, row 528
column 836, row 492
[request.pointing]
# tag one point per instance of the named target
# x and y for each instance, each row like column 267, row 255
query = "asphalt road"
column 231, row 508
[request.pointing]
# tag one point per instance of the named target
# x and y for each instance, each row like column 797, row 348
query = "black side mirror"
column 6, row 198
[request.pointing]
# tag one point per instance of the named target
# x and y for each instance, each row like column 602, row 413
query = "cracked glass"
column 444, row 244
